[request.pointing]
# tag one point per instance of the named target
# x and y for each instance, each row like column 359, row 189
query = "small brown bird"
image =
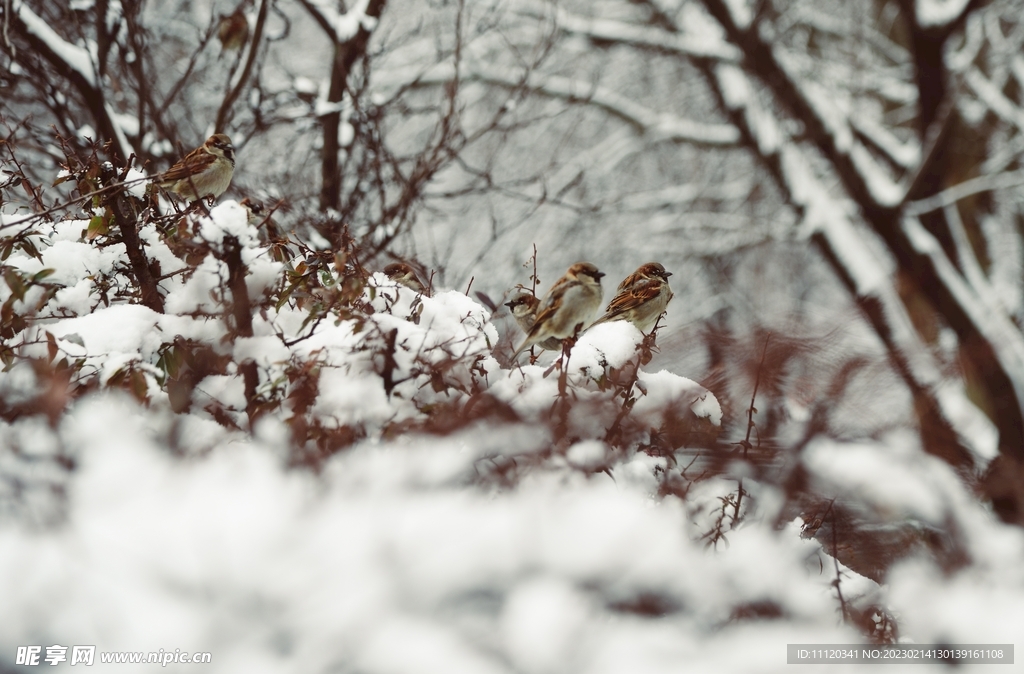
column 642, row 298
column 570, row 304
column 253, row 209
column 233, row 30
column 523, row 308
column 403, row 274
column 204, row 172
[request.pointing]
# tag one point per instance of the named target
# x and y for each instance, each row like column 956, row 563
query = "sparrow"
column 233, row 29
column 570, row 303
column 523, row 308
column 204, row 172
column 254, row 211
column 403, row 274
column 641, row 299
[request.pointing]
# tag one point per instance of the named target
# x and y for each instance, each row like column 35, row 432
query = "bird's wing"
column 631, row 298
column 630, row 281
column 195, row 162
column 551, row 305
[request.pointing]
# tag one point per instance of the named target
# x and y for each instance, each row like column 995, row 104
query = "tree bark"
column 345, row 55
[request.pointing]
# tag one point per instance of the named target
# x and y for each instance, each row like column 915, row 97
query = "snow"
column 304, row 85
column 741, row 13
column 227, row 219
column 77, row 58
column 989, row 319
column 884, row 190
column 968, row 606
column 906, row 154
column 87, row 132
column 664, row 390
column 228, row 390
column 543, row 623
column 608, row 345
column 72, row 261
column 117, row 329
column 129, row 124
column 323, row 107
column 833, row 219
column 830, row 111
column 516, row 541
column 701, row 36
column 738, row 95
column 228, row 545
column 893, row 483
column 659, row 125
column 230, row 552
column 346, row 133
column 136, row 180
column 587, row 454
column 938, row 13
column 348, row 24
column 833, row 112
column 347, row 399
column 345, row 25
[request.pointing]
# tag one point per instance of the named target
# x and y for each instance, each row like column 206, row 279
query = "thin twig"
column 69, row 204
column 750, row 426
column 835, row 561
column 254, row 47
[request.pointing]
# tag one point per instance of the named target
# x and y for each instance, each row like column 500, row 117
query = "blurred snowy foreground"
column 440, row 514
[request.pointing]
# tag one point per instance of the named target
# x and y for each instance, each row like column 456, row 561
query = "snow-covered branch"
column 988, row 318
column 824, row 114
column 342, row 26
column 939, row 13
column 688, row 44
column 994, row 352
column 906, row 155
column 349, row 34
column 991, row 96
column 828, row 221
column 74, row 63
column 76, row 59
column 979, row 185
column 653, row 125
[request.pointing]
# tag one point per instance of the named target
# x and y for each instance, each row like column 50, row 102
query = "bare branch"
column 75, row 65
column 829, row 224
column 655, row 125
column 254, row 47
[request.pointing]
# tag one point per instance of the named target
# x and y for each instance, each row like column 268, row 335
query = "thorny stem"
column 835, row 561
column 533, row 277
column 644, row 349
column 72, row 202
column 561, row 407
column 750, row 425
column 533, row 287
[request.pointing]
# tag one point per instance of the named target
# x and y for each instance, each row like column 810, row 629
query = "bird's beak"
column 667, row 274
column 509, row 305
column 599, row 275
